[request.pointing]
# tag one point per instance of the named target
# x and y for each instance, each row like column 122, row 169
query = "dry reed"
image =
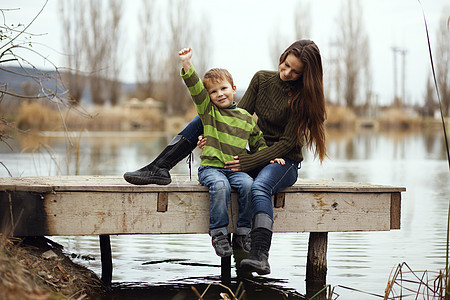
column 340, row 117
column 26, row 274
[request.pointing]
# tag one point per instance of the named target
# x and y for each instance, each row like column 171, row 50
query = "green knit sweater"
column 227, row 130
column 268, row 97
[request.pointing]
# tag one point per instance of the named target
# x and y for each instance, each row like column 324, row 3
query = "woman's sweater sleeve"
column 279, row 149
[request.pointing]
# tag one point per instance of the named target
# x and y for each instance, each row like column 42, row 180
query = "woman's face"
column 291, row 69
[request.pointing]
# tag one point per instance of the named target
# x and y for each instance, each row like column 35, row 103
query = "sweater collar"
column 232, row 106
column 286, row 85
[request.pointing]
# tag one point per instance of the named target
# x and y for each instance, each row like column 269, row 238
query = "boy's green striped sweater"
column 227, row 130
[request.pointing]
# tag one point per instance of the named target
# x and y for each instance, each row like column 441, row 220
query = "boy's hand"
column 201, row 142
column 185, row 55
column 279, row 161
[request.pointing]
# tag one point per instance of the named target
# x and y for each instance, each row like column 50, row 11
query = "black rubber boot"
column 157, row 172
column 258, row 259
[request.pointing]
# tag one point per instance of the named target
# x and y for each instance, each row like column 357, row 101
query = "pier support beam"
column 225, row 270
column 316, row 264
column 106, row 257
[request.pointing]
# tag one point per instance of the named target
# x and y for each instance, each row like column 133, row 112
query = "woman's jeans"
column 220, row 181
column 272, row 179
column 193, row 130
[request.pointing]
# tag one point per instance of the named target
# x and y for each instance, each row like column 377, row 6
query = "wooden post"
column 225, row 267
column 316, row 264
column 225, row 270
column 106, row 257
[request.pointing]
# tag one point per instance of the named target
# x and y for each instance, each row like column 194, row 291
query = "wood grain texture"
column 101, row 205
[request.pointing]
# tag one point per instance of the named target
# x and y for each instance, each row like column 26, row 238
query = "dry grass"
column 26, row 274
column 36, row 116
column 404, row 282
column 340, row 117
column 395, row 118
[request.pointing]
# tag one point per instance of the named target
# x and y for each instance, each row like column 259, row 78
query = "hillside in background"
column 20, row 80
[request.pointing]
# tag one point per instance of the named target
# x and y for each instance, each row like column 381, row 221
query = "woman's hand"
column 279, row 161
column 233, row 165
column 201, row 142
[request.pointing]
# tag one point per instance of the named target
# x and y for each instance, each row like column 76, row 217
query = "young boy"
column 228, row 130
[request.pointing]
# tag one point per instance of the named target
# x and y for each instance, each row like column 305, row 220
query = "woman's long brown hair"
column 308, row 103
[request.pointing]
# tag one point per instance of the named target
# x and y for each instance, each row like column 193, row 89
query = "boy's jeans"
column 220, row 181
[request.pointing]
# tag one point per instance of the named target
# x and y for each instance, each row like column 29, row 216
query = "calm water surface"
column 357, row 260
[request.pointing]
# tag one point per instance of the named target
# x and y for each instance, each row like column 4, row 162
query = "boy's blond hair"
column 216, row 75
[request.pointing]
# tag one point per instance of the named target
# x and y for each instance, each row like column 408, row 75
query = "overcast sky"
column 241, row 29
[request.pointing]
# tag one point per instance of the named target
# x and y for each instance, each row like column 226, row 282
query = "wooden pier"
column 107, row 205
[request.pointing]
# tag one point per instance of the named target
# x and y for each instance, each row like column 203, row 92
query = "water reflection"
column 360, row 260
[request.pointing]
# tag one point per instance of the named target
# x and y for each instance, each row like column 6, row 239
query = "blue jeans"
column 272, row 179
column 193, row 130
column 268, row 181
column 220, row 181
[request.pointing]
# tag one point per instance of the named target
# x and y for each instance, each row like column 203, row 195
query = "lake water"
column 359, row 261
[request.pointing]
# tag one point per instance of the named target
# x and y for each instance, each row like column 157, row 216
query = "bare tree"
column 302, row 21
column 101, row 37
column 201, row 44
column 146, row 49
column 16, row 47
column 91, row 34
column 279, row 41
column 443, row 60
column 72, row 16
column 95, row 41
column 430, row 99
column 180, row 29
column 113, row 53
column 353, row 45
column 367, row 76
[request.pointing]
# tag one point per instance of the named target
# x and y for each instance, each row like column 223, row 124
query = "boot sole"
column 248, row 267
column 146, row 180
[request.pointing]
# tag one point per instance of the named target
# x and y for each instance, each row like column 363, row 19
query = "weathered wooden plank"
column 395, row 210
column 163, row 201
column 82, row 213
column 83, row 205
column 331, row 212
column 89, row 213
column 180, row 183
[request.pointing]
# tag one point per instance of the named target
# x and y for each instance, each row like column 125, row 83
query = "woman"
column 290, row 106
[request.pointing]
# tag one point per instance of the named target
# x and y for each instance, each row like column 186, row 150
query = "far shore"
column 139, row 121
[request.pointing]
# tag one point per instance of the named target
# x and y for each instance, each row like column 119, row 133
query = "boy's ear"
column 234, row 90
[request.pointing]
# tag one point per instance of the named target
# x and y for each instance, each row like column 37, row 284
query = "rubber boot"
column 261, row 238
column 157, row 172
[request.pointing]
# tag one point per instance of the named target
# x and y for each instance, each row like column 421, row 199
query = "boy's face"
column 221, row 93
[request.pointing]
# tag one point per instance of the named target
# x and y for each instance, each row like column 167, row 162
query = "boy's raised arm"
column 185, row 55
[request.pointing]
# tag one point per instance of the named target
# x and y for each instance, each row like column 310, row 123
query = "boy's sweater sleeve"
column 197, row 90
